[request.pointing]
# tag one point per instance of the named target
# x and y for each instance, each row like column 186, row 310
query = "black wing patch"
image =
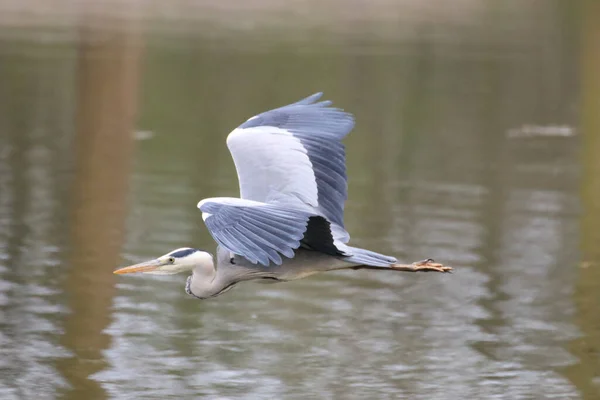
column 318, row 237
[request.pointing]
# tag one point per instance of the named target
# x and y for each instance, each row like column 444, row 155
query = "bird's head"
column 174, row 262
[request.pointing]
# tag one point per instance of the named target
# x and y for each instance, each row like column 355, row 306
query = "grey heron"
column 288, row 222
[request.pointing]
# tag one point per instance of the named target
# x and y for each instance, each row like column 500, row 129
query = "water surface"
column 474, row 146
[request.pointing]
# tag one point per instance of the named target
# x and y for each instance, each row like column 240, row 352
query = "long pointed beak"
column 141, row 267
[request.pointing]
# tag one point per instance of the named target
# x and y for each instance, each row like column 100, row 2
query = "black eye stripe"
column 183, row 253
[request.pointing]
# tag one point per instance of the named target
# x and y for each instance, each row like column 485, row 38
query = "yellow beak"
column 141, row 267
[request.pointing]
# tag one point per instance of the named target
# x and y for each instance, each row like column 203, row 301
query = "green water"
column 474, row 145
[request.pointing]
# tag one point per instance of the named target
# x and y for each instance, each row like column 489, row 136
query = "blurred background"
column 477, row 142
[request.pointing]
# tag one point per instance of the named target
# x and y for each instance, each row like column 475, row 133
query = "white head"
column 174, row 262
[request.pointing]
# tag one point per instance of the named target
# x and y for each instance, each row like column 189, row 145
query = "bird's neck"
column 210, row 282
column 202, row 282
column 207, row 281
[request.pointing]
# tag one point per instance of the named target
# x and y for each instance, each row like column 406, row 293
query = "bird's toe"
column 429, row 265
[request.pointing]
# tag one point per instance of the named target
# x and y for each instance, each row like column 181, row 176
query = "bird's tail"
column 368, row 257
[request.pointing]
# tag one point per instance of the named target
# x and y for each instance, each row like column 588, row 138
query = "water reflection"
column 107, row 87
column 32, row 239
column 585, row 374
column 433, row 174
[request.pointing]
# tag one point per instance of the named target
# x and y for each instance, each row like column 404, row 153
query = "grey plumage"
column 320, row 129
column 257, row 232
column 368, row 257
column 252, row 226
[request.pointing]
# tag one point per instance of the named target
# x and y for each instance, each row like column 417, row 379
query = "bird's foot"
column 430, row 265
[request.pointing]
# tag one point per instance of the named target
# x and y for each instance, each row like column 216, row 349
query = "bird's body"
column 288, row 223
column 210, row 282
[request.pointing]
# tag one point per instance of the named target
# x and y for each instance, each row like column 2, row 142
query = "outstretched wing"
column 260, row 232
column 295, row 152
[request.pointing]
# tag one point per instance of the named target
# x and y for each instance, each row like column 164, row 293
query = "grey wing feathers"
column 258, row 233
column 320, row 129
column 311, row 100
column 368, row 257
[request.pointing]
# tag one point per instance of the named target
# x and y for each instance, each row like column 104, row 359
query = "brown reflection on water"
column 585, row 374
column 107, row 99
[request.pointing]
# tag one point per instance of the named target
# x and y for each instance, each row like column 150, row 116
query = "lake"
column 476, row 144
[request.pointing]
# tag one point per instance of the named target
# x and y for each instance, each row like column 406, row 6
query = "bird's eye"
column 171, row 260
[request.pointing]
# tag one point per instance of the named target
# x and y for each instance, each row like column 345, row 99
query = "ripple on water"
column 493, row 329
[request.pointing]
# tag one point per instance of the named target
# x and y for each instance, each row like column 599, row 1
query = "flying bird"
column 289, row 220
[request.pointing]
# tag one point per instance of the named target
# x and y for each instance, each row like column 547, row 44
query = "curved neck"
column 204, row 282
column 207, row 281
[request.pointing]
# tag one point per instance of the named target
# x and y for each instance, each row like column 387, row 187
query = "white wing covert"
column 296, row 151
column 291, row 166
